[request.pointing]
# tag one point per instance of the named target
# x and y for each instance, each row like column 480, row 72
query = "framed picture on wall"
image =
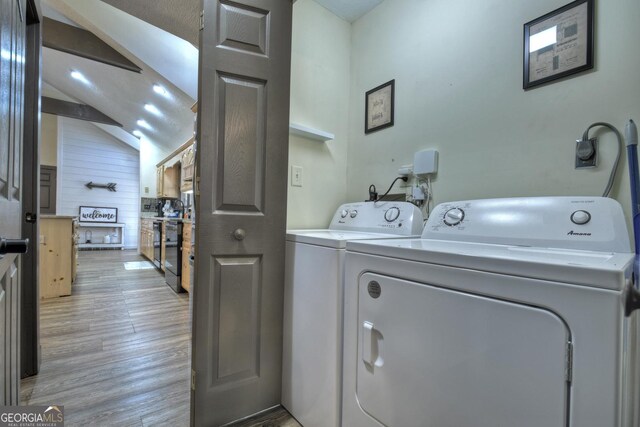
column 558, row 44
column 98, row 214
column 379, row 107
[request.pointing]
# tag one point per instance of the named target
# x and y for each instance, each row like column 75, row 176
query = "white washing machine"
column 506, row 313
column 312, row 352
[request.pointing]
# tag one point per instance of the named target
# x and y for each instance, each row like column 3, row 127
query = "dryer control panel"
column 400, row 218
column 584, row 223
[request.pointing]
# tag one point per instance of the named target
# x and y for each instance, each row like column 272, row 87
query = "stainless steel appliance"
column 157, row 247
column 173, row 256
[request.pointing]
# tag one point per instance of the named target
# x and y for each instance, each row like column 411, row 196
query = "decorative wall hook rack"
column 110, row 186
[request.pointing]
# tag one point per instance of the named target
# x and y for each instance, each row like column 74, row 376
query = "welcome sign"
column 98, row 214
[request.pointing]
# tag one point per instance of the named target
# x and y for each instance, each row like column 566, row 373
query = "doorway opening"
column 115, row 324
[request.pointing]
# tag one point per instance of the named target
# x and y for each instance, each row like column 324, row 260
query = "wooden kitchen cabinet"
column 74, row 253
column 58, row 255
column 187, row 169
column 146, row 238
column 159, row 181
column 186, row 254
column 168, row 181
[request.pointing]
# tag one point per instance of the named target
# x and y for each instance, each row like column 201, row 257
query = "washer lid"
column 589, row 268
column 334, row 238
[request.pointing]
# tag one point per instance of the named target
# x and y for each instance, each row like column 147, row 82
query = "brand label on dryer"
column 573, row 233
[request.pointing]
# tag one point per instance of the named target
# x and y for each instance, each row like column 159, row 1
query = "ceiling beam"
column 59, row 107
column 77, row 41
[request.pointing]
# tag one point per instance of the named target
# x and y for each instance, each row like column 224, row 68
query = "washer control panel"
column 453, row 216
column 400, row 218
column 584, row 223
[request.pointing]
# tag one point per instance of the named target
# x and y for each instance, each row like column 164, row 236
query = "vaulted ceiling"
column 178, row 17
column 163, row 58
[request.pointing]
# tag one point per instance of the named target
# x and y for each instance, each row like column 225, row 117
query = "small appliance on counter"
column 172, row 208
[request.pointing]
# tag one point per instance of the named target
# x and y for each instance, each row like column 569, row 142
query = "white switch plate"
column 296, row 176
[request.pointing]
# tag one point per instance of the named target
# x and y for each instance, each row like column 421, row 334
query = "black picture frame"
column 382, row 113
column 113, row 211
column 566, row 56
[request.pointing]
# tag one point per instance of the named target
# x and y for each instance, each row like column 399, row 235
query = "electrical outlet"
column 296, row 176
column 586, row 153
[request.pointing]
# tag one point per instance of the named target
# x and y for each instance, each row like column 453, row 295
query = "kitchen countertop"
column 58, row 217
column 165, row 218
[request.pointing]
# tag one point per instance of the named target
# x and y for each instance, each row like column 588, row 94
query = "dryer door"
column 435, row 357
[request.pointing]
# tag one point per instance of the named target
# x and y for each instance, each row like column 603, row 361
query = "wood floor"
column 117, row 351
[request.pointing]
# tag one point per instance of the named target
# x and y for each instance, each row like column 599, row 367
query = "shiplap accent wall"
column 86, row 153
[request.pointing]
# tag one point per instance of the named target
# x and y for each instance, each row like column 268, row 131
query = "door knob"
column 239, row 234
column 31, row 217
column 13, row 246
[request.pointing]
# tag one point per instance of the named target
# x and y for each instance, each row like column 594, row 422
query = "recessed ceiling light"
column 152, row 109
column 159, row 89
column 79, row 76
column 144, row 124
column 137, row 133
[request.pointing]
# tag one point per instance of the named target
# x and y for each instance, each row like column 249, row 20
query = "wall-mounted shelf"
column 307, row 132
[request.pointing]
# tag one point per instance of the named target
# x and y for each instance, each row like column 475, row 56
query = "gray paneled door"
column 12, row 46
column 243, row 120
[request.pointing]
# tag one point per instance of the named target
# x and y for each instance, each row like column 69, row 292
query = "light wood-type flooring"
column 117, row 351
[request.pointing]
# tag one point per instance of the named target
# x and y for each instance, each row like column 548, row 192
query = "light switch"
column 296, row 176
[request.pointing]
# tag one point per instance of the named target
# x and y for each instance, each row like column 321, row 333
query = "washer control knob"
column 453, row 216
column 580, row 217
column 353, row 213
column 392, row 214
column 344, row 213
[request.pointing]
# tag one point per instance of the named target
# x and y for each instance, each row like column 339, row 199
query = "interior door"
column 452, row 359
column 12, row 48
column 243, row 132
column 48, row 182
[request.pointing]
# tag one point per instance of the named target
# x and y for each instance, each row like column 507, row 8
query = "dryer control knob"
column 392, row 214
column 344, row 213
column 453, row 216
column 580, row 217
column 354, row 213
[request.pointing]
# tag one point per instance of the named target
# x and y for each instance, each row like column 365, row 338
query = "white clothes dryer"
column 312, row 351
column 507, row 312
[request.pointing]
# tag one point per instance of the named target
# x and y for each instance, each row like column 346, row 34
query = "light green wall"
column 458, row 72
column 320, row 100
column 49, row 141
